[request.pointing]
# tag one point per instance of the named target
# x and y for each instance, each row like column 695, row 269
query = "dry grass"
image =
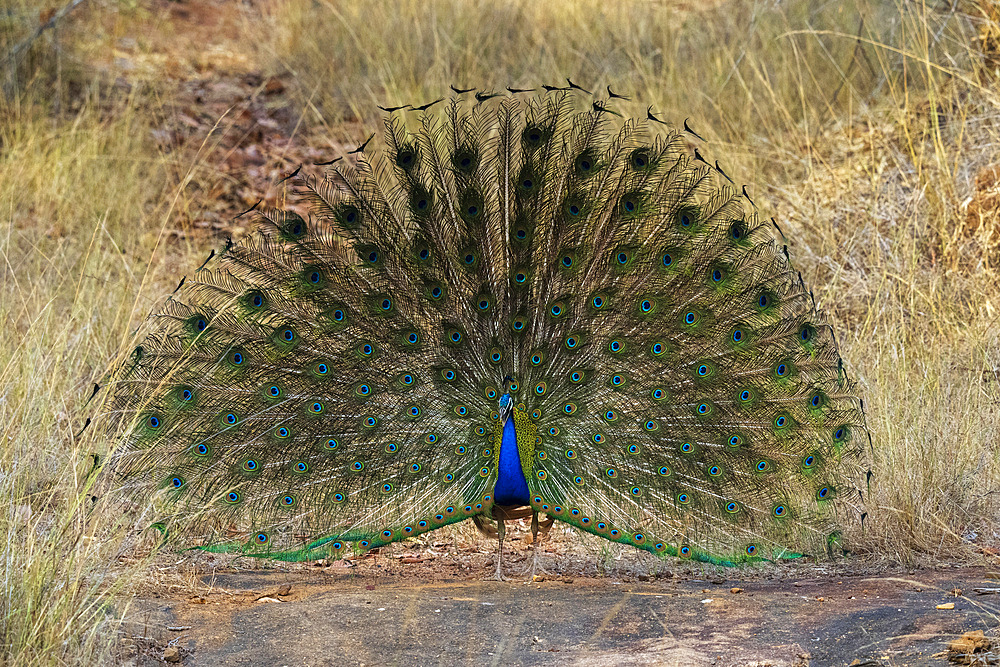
column 83, row 203
column 84, row 197
column 865, row 126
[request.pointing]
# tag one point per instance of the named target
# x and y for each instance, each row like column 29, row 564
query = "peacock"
column 517, row 307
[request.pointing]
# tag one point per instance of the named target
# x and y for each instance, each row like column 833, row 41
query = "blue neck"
column 511, row 488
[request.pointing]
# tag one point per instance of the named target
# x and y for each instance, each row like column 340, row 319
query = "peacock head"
column 506, row 406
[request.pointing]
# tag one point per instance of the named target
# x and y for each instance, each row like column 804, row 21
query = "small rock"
column 947, row 605
column 538, row 578
column 643, row 577
column 734, row 590
column 284, row 589
column 171, row 654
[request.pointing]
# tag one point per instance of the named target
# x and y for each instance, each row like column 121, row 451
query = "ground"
column 372, row 614
column 432, row 600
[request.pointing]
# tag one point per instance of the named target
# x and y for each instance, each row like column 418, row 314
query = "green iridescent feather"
column 331, row 383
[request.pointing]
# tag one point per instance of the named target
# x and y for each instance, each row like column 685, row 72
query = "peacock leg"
column 534, row 545
column 502, row 530
column 534, row 542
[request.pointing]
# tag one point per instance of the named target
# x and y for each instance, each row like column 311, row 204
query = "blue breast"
column 511, row 488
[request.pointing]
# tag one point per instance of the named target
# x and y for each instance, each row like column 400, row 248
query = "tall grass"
column 83, row 202
column 861, row 125
column 739, row 70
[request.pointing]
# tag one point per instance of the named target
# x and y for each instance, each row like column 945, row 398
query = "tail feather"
column 334, row 382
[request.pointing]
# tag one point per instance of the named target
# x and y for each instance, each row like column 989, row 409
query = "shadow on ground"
column 353, row 618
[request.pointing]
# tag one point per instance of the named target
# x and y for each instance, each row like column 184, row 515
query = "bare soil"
column 391, row 612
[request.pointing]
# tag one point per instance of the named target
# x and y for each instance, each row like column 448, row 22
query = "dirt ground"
column 393, row 614
column 433, row 601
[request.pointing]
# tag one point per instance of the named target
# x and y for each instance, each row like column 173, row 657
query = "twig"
column 25, row 43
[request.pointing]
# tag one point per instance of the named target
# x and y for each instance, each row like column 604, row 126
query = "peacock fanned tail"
column 335, row 382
